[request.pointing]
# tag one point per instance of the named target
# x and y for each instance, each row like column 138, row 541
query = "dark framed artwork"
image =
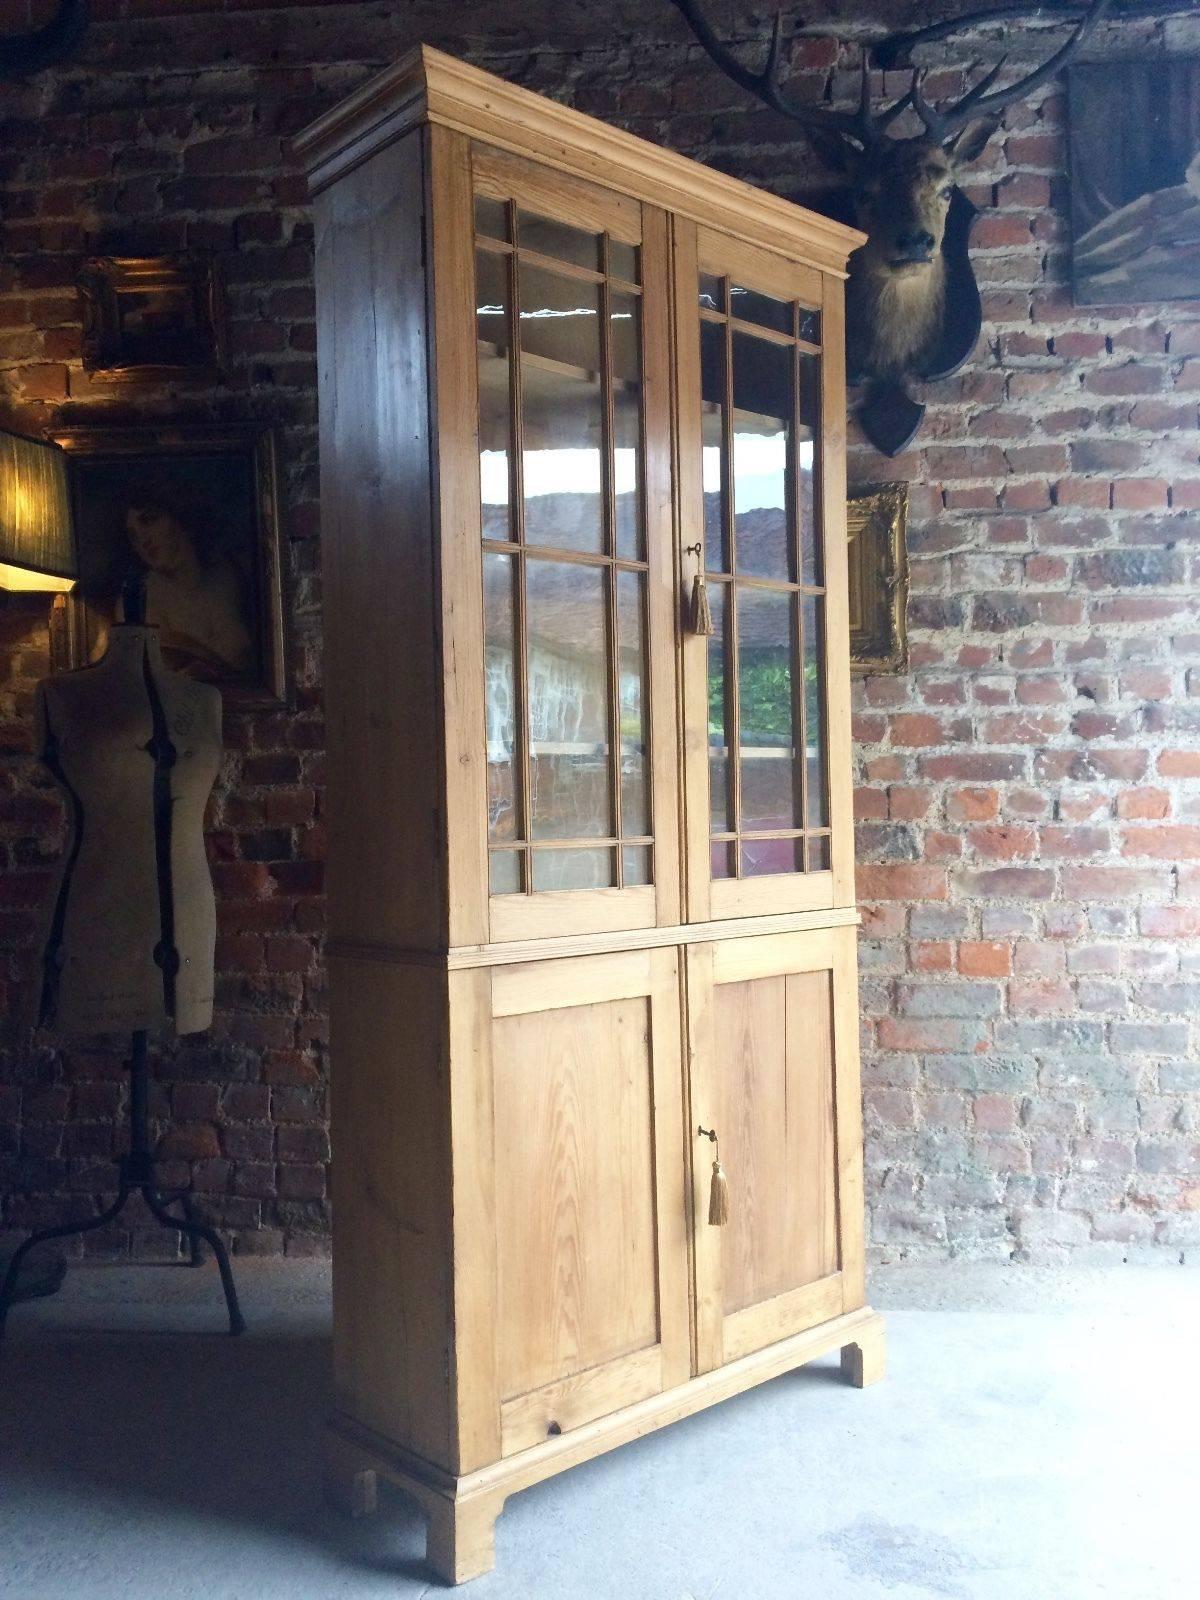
column 150, row 319
column 877, row 551
column 195, row 512
column 1135, row 181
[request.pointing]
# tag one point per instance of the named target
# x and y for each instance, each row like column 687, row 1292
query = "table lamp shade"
column 37, row 542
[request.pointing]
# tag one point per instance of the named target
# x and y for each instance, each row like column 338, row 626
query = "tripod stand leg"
column 199, row 1230
column 64, row 1231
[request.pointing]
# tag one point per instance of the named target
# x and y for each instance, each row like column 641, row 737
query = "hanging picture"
column 152, row 319
column 194, row 513
column 1135, row 181
column 877, row 554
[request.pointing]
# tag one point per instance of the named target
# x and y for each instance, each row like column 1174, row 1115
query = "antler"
column 943, row 123
column 896, row 49
column 861, row 125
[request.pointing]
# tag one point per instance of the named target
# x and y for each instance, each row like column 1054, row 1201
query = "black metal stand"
column 136, row 1174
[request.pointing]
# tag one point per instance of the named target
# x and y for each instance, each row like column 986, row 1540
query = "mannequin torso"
column 98, row 733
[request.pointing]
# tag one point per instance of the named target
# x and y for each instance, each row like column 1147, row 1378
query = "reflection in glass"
column 762, row 857
column 574, row 869
column 720, row 811
column 635, row 865
column 770, row 797
column 712, row 292
column 762, row 419
column 760, row 308
column 504, row 872
column 491, row 217
column 566, row 624
column 562, row 410
column 813, row 623
column 631, row 698
column 550, row 238
column 493, row 335
column 500, row 698
column 721, row 860
column 818, row 854
column 623, row 261
column 712, row 411
column 809, row 327
column 624, row 311
column 811, row 563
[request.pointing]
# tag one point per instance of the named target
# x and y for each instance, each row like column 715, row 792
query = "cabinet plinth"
column 590, row 864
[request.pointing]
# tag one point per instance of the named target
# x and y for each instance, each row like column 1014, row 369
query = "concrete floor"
column 1036, row 1439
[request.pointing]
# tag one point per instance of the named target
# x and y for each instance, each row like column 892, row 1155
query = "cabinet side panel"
column 381, row 691
column 391, row 1248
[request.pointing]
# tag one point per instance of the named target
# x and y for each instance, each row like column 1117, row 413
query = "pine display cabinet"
column 591, row 877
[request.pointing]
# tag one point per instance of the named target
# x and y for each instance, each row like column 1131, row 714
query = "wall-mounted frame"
column 1135, row 180
column 149, row 320
column 876, row 522
column 196, row 510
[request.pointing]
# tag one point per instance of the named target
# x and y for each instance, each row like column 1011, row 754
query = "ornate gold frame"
column 188, row 282
column 876, row 520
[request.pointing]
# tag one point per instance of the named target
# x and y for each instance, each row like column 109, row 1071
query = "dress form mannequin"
column 135, row 748
column 134, row 927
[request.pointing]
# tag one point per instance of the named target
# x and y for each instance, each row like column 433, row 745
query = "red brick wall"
column 1030, row 815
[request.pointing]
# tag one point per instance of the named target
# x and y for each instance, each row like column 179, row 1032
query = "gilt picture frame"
column 876, row 533
column 194, row 512
column 149, row 320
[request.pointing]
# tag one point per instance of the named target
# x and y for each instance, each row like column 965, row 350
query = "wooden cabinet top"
column 426, row 86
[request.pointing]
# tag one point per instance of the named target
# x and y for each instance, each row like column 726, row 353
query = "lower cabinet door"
column 590, row 1189
column 774, row 1073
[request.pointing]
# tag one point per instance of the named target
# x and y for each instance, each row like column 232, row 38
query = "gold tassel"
column 702, row 622
column 718, row 1197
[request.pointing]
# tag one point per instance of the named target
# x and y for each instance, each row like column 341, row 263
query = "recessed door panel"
column 590, row 1194
column 775, row 1076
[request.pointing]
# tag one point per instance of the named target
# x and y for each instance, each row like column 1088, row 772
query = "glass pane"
column 721, row 860
column 811, row 556
column 809, row 326
column 631, row 687
column 623, row 261
column 635, row 864
column 718, row 741
column 562, row 410
column 762, row 419
column 770, row 786
column 491, row 217
column 493, row 335
column 504, row 872
column 762, row 857
column 761, row 308
column 712, row 411
column 500, row 700
column 813, row 609
column 818, row 854
column 574, row 869
column 552, row 238
column 567, row 628
column 624, row 322
column 712, row 292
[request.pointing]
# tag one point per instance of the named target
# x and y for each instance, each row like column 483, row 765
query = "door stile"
column 693, row 648
column 705, row 1109
column 831, row 497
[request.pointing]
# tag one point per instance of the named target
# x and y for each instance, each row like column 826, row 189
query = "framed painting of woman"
column 193, row 512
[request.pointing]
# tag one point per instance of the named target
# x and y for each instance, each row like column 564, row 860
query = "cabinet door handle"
column 718, row 1189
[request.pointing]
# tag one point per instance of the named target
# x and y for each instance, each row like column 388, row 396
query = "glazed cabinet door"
column 570, row 569
column 590, row 1191
column 774, row 1073
column 762, row 512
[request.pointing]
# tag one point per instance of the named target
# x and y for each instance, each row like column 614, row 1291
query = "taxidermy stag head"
column 30, row 52
column 912, row 305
